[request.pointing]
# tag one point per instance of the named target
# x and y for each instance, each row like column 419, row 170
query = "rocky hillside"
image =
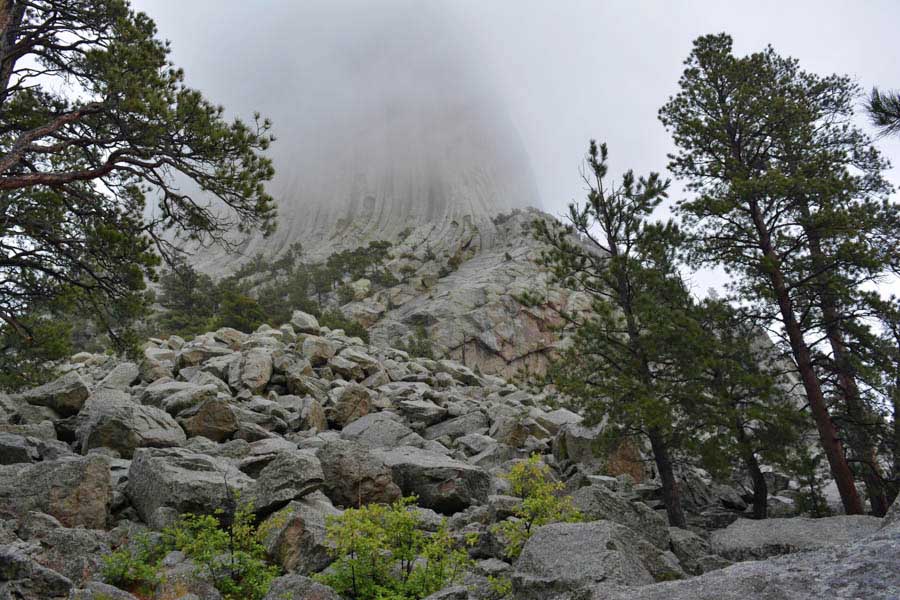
column 307, row 422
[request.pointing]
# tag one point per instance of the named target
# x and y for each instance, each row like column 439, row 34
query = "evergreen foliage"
column 382, row 552
column 542, row 504
column 97, row 123
column 790, row 199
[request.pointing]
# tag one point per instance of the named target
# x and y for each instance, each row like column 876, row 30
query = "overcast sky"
column 566, row 70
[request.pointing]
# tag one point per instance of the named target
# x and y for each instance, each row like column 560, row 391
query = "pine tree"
column 790, row 199
column 623, row 365
column 95, row 123
column 884, row 110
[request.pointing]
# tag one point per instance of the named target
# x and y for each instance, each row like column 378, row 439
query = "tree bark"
column 831, row 442
column 670, row 489
column 859, row 441
column 760, row 488
column 11, row 14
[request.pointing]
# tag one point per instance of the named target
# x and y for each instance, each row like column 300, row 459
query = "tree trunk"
column 671, row 493
column 11, row 15
column 859, row 441
column 760, row 489
column 831, row 443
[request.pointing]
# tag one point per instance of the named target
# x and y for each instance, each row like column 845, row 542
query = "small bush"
column 541, row 504
column 135, row 567
column 382, row 553
column 231, row 556
column 335, row 319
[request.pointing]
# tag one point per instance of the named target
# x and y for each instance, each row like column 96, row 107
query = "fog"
column 361, row 89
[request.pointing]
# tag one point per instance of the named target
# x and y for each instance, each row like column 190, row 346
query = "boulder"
column 298, row 587
column 693, row 552
column 317, row 350
column 296, row 538
column 348, row 403
column 114, row 421
column 473, row 422
column 163, row 483
column 355, row 475
column 121, row 377
column 748, row 539
column 289, row 476
column 422, row 411
column 304, row 322
column 574, row 560
column 75, row 490
column 599, row 502
column 553, row 421
column 17, row 448
column 23, row 578
column 381, row 430
column 304, row 413
column 65, row 395
column 97, row 590
column 578, row 443
column 213, row 419
column 176, row 396
column 441, row 483
column 252, row 372
column 866, row 568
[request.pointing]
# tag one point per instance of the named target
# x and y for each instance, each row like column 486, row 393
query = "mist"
column 369, row 97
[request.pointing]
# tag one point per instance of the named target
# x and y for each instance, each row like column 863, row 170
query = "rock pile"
column 307, row 421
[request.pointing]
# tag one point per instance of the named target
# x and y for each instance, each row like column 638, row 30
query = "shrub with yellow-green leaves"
column 229, row 552
column 542, row 503
column 382, row 552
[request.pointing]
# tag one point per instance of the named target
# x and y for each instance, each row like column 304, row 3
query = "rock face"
column 76, row 491
column 747, row 539
column 440, row 483
column 116, row 422
column 866, row 568
column 572, row 560
column 164, row 483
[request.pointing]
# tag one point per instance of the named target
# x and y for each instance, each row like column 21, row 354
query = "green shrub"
column 135, row 567
column 541, row 504
column 382, row 553
column 228, row 551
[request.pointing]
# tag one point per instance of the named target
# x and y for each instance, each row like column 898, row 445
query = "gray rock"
column 298, row 587
column 296, row 539
column 578, row 443
column 176, row 396
column 97, row 590
column 75, row 490
column 354, row 475
column 114, row 421
column 422, row 411
column 65, row 395
column 693, row 552
column 441, row 483
column 122, row 377
column 17, row 448
column 317, row 350
column 348, row 403
column 866, row 568
column 599, row 502
column 304, row 322
column 473, row 422
column 23, row 578
column 553, row 421
column 748, row 539
column 252, row 372
column 289, row 476
column 166, row 482
column 572, row 560
column 213, row 419
column 381, row 430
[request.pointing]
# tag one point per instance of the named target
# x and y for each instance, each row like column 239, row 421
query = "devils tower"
column 401, row 130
